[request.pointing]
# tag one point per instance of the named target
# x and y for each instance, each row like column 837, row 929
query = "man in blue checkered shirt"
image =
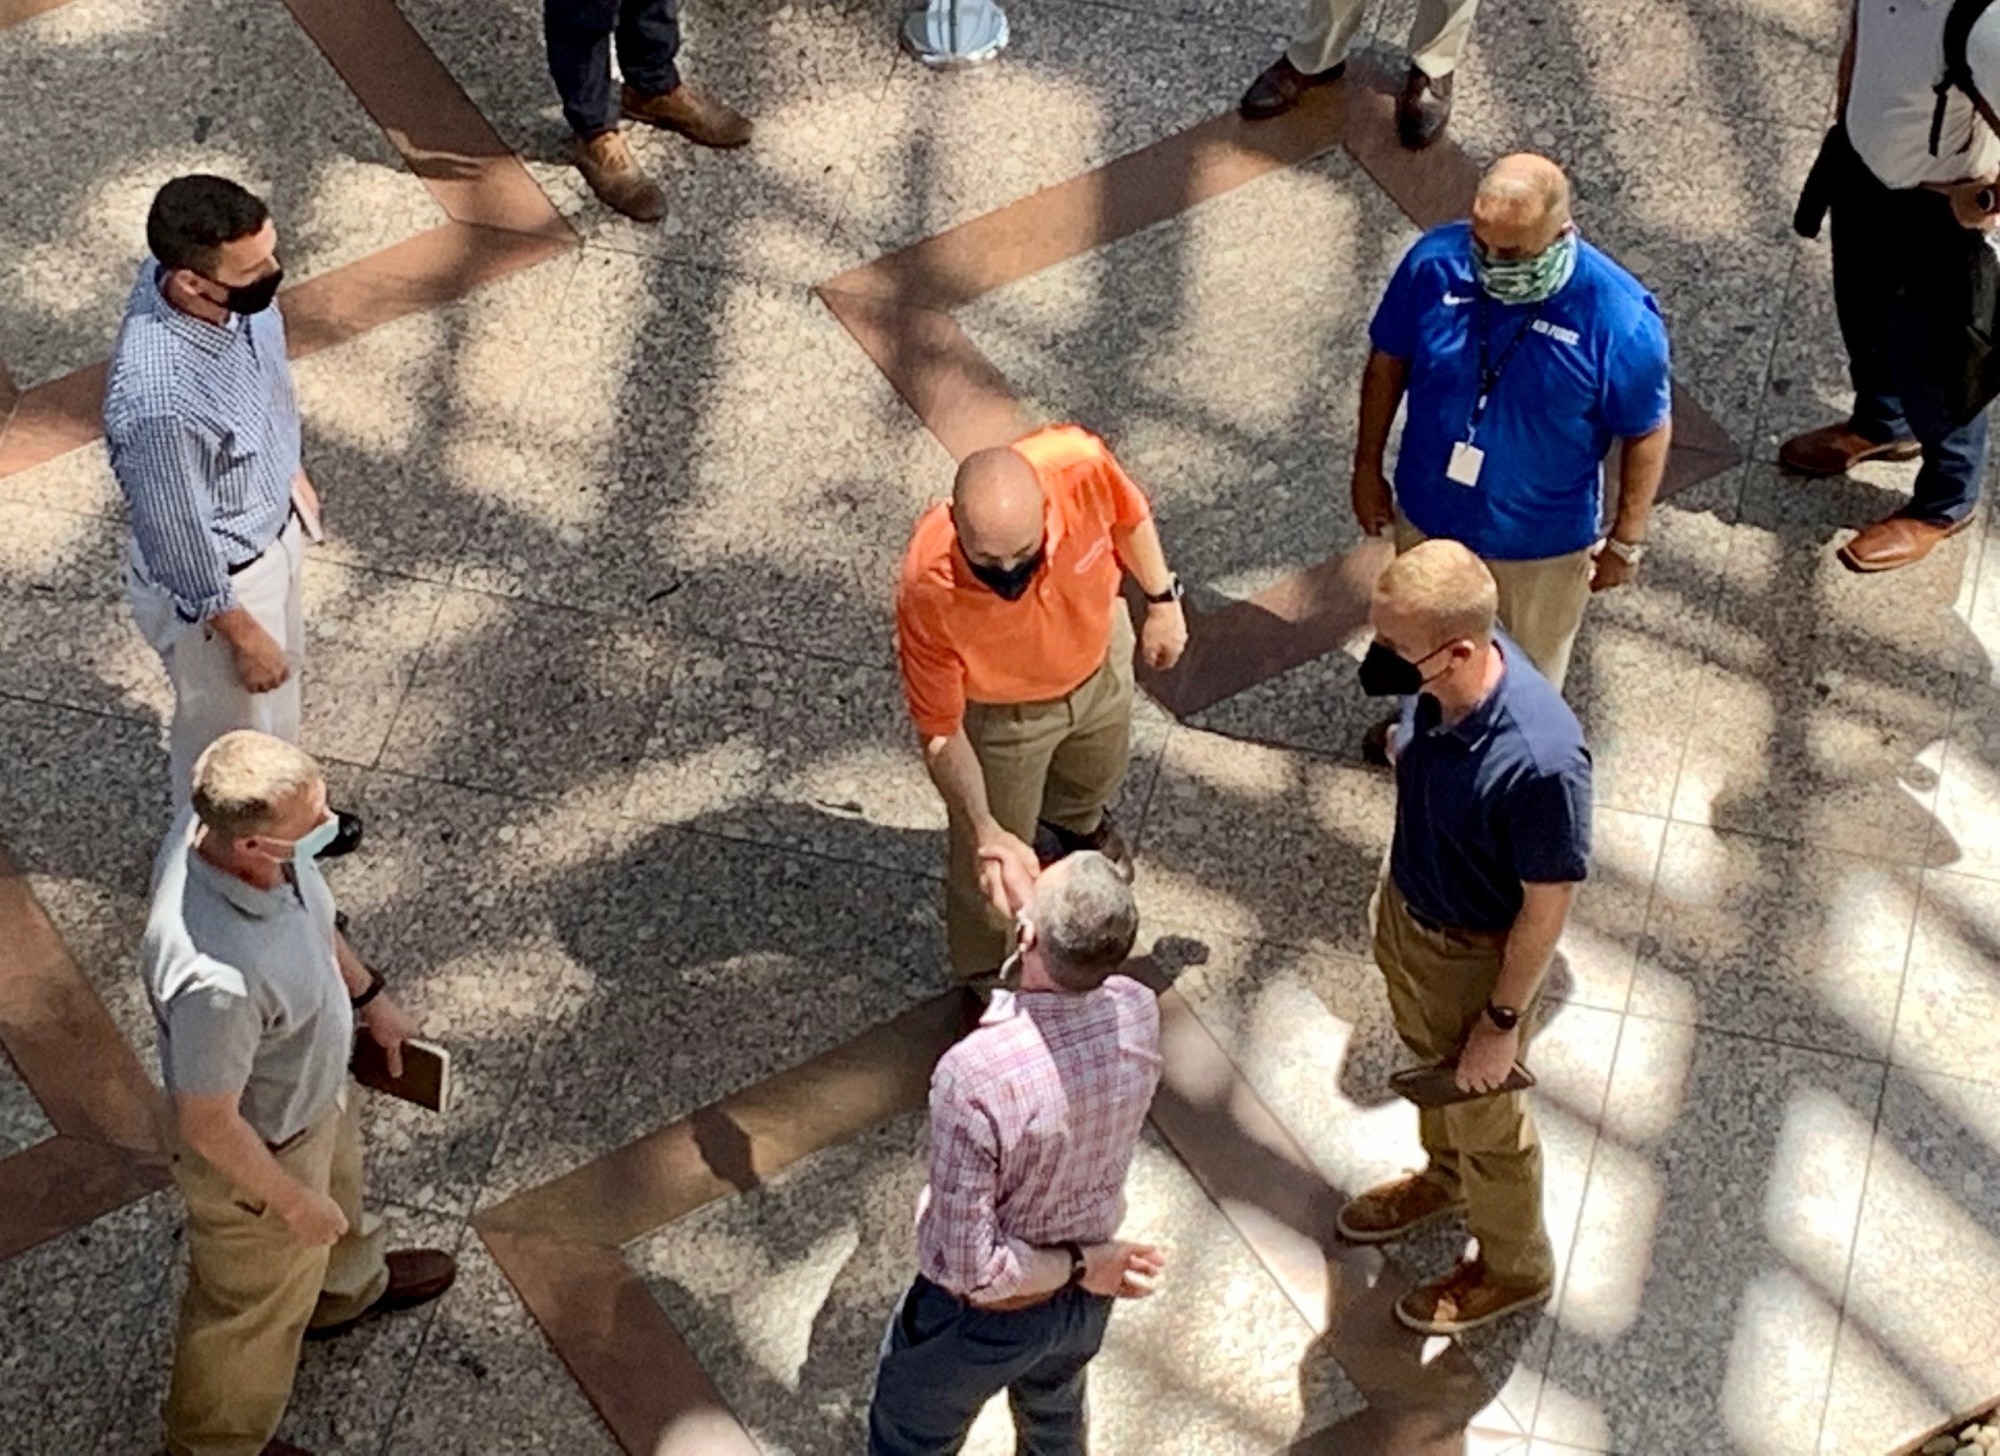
column 203, row 430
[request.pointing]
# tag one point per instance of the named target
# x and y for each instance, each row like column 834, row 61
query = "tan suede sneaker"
column 615, row 175
column 1465, row 1299
column 694, row 114
column 1395, row 1209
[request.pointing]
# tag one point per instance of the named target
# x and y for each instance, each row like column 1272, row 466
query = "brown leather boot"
column 1465, row 1299
column 1281, row 85
column 416, row 1276
column 1423, row 109
column 1896, row 541
column 608, row 165
column 694, row 114
column 1837, row 449
column 1394, row 1209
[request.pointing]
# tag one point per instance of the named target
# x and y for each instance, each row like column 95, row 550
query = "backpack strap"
column 1957, row 72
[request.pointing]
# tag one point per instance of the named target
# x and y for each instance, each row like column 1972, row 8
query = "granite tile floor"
column 602, row 648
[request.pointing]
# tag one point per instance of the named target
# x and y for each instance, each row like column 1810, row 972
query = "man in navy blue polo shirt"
column 1492, row 839
column 1525, row 354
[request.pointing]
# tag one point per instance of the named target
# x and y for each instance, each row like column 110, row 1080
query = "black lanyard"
column 1489, row 375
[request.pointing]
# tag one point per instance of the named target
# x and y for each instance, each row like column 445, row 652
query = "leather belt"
column 242, row 566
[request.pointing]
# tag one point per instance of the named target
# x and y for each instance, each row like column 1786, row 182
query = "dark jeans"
column 1885, row 243
column 942, row 1360
column 579, row 34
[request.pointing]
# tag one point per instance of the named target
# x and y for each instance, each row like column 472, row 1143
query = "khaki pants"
column 1541, row 602
column 1485, row 1150
column 208, row 699
column 253, row 1289
column 1061, row 760
column 1437, row 35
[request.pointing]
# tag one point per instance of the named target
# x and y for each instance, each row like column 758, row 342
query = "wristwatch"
column 374, row 989
column 1504, row 1017
column 1629, row 552
column 1174, row 592
column 1077, row 1263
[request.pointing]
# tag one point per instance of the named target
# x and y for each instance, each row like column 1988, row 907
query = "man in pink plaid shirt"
column 1034, row 1120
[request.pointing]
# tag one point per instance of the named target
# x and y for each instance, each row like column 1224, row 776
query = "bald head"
column 1521, row 206
column 997, row 507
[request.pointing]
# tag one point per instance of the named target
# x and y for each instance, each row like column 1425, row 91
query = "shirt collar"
column 208, row 337
column 1482, row 719
column 257, row 903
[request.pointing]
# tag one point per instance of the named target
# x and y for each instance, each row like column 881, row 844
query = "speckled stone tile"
column 784, row 1292
column 70, row 638
column 1773, row 61
column 1966, row 836
column 486, row 1382
column 808, row 73
column 1605, row 933
column 527, row 699
column 636, row 493
column 22, row 1124
column 1777, row 939
column 800, row 751
column 456, row 898
column 1819, row 713
column 79, row 481
column 1264, row 843
column 1949, row 1021
column 406, row 425
column 83, row 806
column 710, row 964
column 74, row 1315
column 1276, row 18
column 365, row 631
column 1714, row 1237
column 1079, row 85
column 348, row 1390
column 1918, row 1344
column 1214, row 356
column 336, row 187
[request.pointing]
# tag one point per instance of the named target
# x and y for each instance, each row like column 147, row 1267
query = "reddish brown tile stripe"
column 14, row 12
column 427, row 116
column 64, row 1183
column 620, row 1347
column 59, row 1036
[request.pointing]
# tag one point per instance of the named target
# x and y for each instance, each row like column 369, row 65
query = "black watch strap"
column 1504, row 1017
column 1077, row 1263
column 1174, row 592
column 375, row 985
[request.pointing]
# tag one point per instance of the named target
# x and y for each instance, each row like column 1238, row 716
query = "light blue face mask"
column 308, row 846
column 1527, row 280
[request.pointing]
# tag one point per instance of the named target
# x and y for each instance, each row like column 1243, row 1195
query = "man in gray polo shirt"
column 256, row 996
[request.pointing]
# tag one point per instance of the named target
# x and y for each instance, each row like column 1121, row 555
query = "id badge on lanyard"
column 1467, row 459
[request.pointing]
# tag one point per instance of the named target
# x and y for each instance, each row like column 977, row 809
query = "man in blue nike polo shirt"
column 1524, row 354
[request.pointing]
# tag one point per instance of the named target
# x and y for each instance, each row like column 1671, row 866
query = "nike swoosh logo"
column 1454, row 298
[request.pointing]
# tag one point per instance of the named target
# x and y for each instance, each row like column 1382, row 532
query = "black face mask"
column 1386, row 674
column 248, row 298
column 1010, row 582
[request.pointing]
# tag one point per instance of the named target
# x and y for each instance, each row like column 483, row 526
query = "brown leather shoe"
column 1395, row 1209
column 615, row 175
column 694, row 114
column 1896, row 541
column 1375, row 743
column 416, row 1276
column 1837, row 449
column 1280, row 87
column 1423, row 108
column 1053, row 842
column 1465, row 1299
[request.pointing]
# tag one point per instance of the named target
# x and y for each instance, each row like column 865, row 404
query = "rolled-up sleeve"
column 933, row 674
column 163, row 468
column 972, row 1258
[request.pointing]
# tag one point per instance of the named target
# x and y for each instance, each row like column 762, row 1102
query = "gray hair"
column 1085, row 921
column 244, row 781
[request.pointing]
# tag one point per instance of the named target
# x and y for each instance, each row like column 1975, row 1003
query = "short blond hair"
column 244, row 781
column 1446, row 587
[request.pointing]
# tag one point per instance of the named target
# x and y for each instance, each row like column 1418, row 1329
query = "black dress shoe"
column 1423, row 109
column 1281, row 85
column 348, row 839
column 1053, row 842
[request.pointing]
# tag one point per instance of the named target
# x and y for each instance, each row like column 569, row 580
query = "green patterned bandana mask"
column 1527, row 280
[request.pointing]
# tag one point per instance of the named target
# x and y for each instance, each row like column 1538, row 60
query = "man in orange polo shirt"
column 1017, row 663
